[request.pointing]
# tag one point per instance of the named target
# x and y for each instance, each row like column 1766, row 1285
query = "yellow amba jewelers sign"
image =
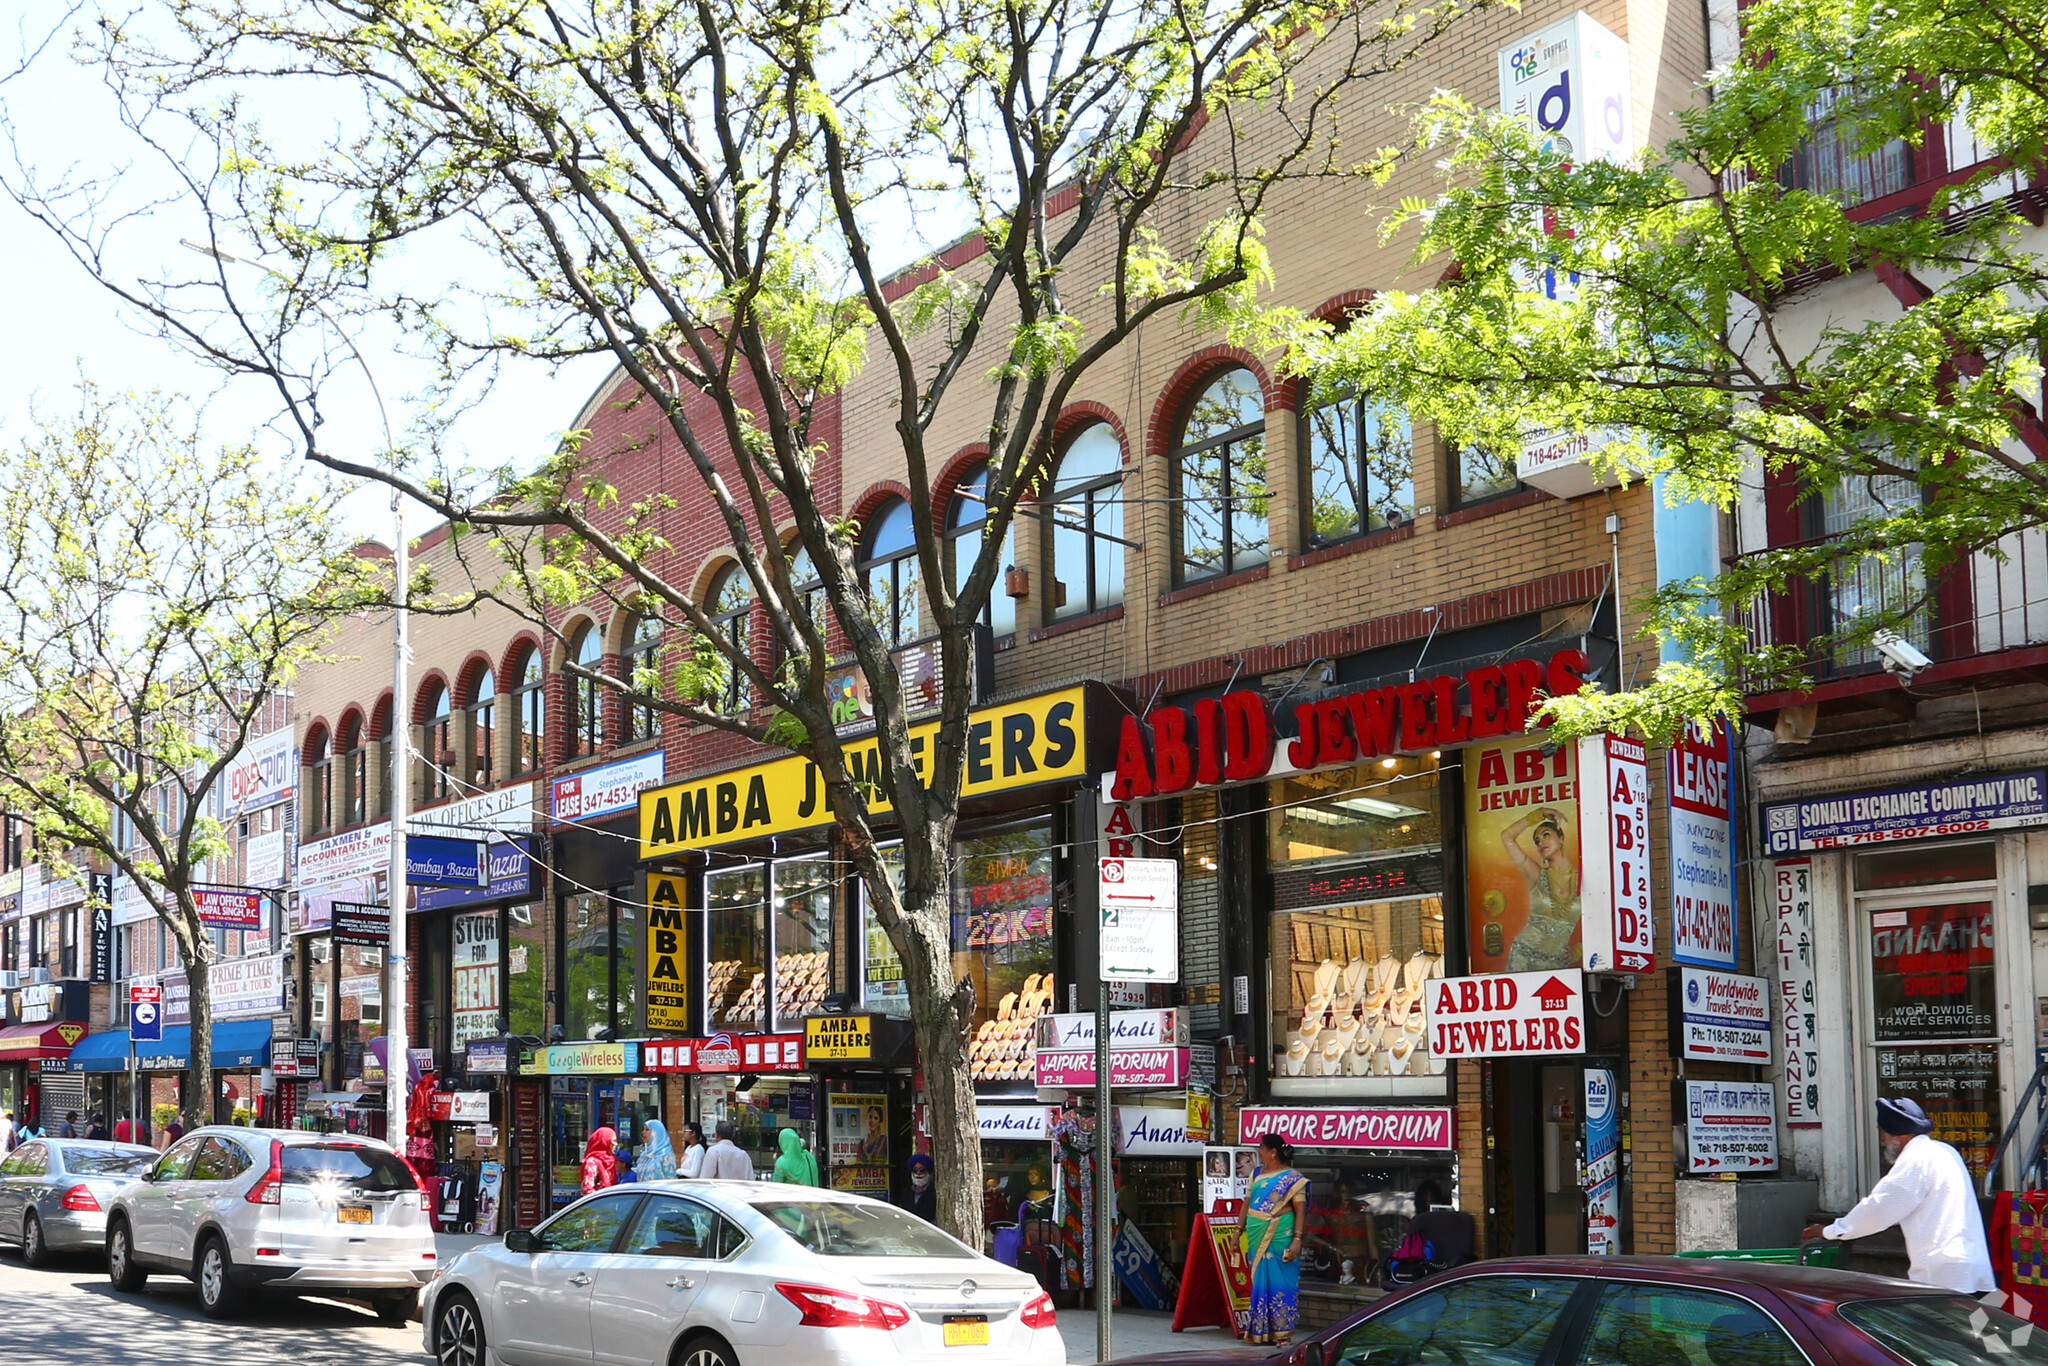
column 1041, row 739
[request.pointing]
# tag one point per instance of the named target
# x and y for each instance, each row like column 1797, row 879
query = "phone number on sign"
column 1911, row 833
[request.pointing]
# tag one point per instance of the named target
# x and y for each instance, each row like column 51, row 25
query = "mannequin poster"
column 1522, row 857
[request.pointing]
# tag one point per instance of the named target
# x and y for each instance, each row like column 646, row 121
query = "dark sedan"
column 1655, row 1311
column 54, row 1193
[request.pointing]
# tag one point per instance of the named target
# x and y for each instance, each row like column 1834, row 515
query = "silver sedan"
column 735, row 1273
column 54, row 1193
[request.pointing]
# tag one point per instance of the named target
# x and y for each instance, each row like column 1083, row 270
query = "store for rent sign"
column 475, row 944
column 1702, row 866
column 1508, row 1015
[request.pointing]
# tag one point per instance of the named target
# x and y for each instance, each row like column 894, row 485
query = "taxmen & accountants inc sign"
column 1041, row 739
column 1507, row 1015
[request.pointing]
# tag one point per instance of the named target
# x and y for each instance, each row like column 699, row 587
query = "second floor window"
column 355, row 772
column 1830, row 163
column 529, row 714
column 888, row 571
column 1361, row 468
column 732, row 611
column 1220, row 465
column 1083, row 521
column 643, row 722
column 483, row 730
column 965, row 521
column 1483, row 473
column 437, row 747
column 320, row 799
column 1873, row 584
column 586, row 696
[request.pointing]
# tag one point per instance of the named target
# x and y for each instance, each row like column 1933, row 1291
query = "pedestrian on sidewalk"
column 1929, row 1195
column 657, row 1157
column 796, row 1166
column 600, row 1162
column 693, row 1149
column 724, row 1161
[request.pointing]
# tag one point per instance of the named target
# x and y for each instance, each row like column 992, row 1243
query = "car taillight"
column 268, row 1187
column 81, row 1199
column 1039, row 1312
column 419, row 1181
column 823, row 1308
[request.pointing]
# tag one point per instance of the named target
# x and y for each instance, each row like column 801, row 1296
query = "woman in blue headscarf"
column 657, row 1160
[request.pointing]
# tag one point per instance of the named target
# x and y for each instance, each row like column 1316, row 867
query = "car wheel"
column 219, row 1296
column 34, row 1251
column 121, row 1266
column 459, row 1333
column 396, row 1309
column 706, row 1349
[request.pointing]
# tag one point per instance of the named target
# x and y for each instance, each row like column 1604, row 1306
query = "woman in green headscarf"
column 796, row 1166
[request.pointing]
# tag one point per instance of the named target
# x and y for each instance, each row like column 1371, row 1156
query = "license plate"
column 967, row 1332
column 353, row 1214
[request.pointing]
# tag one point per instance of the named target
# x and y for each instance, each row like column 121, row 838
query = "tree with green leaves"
column 1696, row 338
column 717, row 196
column 159, row 592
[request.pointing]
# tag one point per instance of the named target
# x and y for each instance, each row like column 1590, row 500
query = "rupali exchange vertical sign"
column 1792, row 912
column 668, row 992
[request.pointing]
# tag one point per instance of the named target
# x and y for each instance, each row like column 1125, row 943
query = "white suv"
column 239, row 1210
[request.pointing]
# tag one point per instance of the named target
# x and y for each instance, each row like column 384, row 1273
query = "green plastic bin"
column 1814, row 1254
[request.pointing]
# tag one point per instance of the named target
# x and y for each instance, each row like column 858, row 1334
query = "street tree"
column 158, row 593
column 1678, row 335
column 719, row 197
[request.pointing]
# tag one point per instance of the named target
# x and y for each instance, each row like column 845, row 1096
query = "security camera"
column 1901, row 656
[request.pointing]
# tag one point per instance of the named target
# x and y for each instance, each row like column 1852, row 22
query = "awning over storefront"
column 29, row 1042
column 236, row 1043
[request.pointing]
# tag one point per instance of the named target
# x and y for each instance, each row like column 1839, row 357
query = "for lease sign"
column 1506, row 1015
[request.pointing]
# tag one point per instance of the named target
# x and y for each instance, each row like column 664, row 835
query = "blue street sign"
column 146, row 1022
column 432, row 861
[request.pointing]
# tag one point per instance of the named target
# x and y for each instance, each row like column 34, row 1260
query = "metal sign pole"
column 1105, row 1178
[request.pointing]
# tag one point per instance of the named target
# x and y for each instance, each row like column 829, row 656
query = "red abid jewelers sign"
column 1385, row 1128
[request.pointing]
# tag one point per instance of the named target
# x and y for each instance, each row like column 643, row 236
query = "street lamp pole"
column 397, row 1052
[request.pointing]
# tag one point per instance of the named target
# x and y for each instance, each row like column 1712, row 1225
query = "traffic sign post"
column 1139, row 902
column 145, row 1025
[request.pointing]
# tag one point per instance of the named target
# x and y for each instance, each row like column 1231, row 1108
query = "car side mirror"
column 523, row 1240
column 1313, row 1355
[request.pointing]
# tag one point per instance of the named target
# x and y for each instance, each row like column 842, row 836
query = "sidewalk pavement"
column 1138, row 1332
column 1135, row 1332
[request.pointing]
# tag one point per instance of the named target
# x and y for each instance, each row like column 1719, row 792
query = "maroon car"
column 1655, row 1311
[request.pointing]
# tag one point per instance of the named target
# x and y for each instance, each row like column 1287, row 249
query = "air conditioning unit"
column 38, row 976
column 10, row 980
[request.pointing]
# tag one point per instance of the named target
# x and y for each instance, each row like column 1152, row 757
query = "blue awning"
column 236, row 1043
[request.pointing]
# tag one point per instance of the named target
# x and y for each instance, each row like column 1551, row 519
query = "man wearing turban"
column 1929, row 1195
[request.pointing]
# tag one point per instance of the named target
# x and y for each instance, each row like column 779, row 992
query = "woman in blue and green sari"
column 1274, row 1215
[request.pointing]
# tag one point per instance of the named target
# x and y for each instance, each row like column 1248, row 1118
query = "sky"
column 60, row 318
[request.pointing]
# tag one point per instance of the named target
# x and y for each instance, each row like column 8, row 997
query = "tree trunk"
column 196, row 1095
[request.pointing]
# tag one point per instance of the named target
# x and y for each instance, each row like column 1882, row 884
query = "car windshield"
column 105, row 1162
column 1951, row 1330
column 345, row 1164
column 832, row 1229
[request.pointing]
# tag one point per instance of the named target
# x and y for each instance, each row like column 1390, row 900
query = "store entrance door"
column 1540, row 1115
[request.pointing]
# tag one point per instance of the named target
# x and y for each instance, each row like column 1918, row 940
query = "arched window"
column 888, row 570
column 1361, row 468
column 642, row 721
column 1084, row 524
column 355, row 772
column 965, row 521
column 380, row 734
column 1221, row 464
column 320, row 794
column 810, row 591
column 436, row 745
column 483, row 728
column 732, row 611
column 529, row 713
column 586, row 700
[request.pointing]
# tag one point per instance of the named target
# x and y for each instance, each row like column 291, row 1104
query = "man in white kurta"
column 1928, row 1193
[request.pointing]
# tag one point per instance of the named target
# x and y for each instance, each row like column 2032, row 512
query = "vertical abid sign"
column 1620, row 932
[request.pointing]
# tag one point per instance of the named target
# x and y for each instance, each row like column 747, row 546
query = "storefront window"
column 1347, row 986
column 1002, row 941
column 763, row 1110
column 627, row 942
column 882, row 986
column 526, row 971
column 1348, row 813
column 803, row 936
column 733, row 907
column 1934, row 989
column 361, row 1014
column 1359, row 1207
column 586, row 965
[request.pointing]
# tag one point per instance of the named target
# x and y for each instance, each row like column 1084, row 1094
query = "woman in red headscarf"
column 600, row 1162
